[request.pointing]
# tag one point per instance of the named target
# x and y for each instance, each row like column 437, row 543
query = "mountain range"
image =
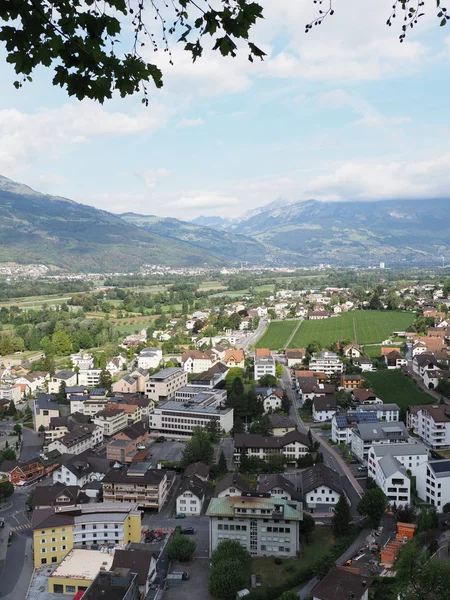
column 40, row 228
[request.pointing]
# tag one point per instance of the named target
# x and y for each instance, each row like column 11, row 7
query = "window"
column 63, row 539
column 44, row 562
column 263, row 547
column 54, row 549
column 58, row 588
column 70, row 589
column 63, row 547
column 53, row 539
column 43, row 541
column 54, row 559
column 43, row 550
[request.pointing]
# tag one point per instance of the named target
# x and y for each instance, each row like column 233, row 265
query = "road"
column 247, row 341
column 331, row 458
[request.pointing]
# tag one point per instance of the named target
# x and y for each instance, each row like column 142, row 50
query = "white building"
column 278, row 486
column 343, row 423
column 68, row 377
column 391, row 477
column 434, row 486
column 321, row 487
column 89, row 377
column 197, row 361
column 81, row 469
column 232, row 484
column 10, row 393
column 150, row 358
column 115, row 365
column 365, row 364
column 82, row 438
column 111, row 420
column 82, row 360
column 163, row 385
column 365, row 435
column 292, row 446
column 323, row 408
column 264, row 365
column 326, row 362
column 190, row 496
column 432, row 424
column 270, row 397
column 414, row 457
column 263, row 526
column 385, row 412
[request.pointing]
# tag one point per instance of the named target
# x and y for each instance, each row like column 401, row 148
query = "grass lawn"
column 362, row 326
column 393, row 386
column 277, row 334
column 271, row 573
column 375, row 351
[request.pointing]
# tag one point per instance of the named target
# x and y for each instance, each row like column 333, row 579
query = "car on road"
column 180, row 516
column 188, row 531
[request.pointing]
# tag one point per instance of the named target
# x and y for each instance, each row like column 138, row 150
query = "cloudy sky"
column 345, row 112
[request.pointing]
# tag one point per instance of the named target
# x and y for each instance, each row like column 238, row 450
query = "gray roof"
column 165, row 373
column 374, row 407
column 382, row 431
column 277, row 420
column 232, row 480
column 268, row 482
column 324, row 403
column 64, row 374
column 339, row 584
column 123, row 475
column 390, row 465
column 440, row 468
column 192, row 484
column 46, row 401
column 256, row 440
column 85, row 463
column 400, row 449
column 200, row 469
column 318, row 475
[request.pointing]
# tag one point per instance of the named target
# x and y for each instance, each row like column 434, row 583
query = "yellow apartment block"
column 78, row 570
column 58, row 530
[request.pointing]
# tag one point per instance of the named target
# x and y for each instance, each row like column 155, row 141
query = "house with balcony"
column 394, row 360
column 163, row 385
column 432, row 424
column 111, row 420
column 365, row 435
column 82, row 437
column 264, row 365
column 323, row 408
column 138, row 484
column 412, row 456
column 233, row 484
column 326, row 362
column 434, row 485
column 69, row 378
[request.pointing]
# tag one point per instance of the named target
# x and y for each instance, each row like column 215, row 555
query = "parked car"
column 180, row 516
column 362, row 468
column 188, row 531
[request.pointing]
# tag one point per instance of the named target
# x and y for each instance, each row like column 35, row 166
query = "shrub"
column 278, row 560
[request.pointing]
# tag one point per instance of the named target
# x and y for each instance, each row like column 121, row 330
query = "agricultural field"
column 277, row 334
column 394, row 386
column 375, row 350
column 362, row 326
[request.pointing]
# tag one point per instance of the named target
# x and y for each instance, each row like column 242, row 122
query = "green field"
column 394, row 386
column 375, row 351
column 362, row 326
column 277, row 334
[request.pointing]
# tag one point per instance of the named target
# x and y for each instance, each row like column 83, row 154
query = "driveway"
column 197, row 586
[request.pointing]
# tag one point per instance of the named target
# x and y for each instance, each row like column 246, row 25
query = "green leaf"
column 443, row 22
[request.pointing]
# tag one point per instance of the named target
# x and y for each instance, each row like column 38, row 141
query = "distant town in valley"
column 163, row 421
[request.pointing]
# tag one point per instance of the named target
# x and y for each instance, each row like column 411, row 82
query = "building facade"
column 163, row 385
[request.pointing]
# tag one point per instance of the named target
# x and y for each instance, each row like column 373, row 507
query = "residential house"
column 22, row 473
column 138, row 484
column 352, row 351
column 122, row 451
column 365, row 435
column 323, row 408
column 139, row 562
column 262, row 352
column 136, row 432
column 321, row 488
column 133, row 383
column 190, row 496
column 426, row 366
column 365, row 364
column 58, row 494
column 263, row 526
column 233, row 484
column 80, row 439
column 133, row 412
column 432, row 424
column 365, row 396
column 342, row 424
column 150, row 358
column 434, row 486
column 385, row 412
column 196, row 361
column 326, row 362
column 89, row 378
column 65, row 376
column 392, row 479
column 350, row 382
column 45, row 407
column 163, row 385
column 210, row 378
column 135, row 340
column 11, row 393
column 234, row 358
column 294, row 356
column 270, row 397
column 115, row 365
column 111, row 420
column 83, row 360
column 292, row 446
column 341, row 584
column 264, row 365
column 278, row 486
column 281, row 424
column 394, row 360
column 412, row 456
column 82, row 469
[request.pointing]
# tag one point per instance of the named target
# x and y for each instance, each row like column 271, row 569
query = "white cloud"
column 376, row 179
column 206, row 201
column 27, row 136
column 190, row 123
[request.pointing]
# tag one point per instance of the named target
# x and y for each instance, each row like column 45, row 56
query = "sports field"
column 277, row 334
column 361, row 326
column 394, row 386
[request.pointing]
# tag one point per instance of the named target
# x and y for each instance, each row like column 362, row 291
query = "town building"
column 45, row 408
column 81, row 469
column 365, row 396
column 82, row 360
column 58, row 494
column 350, row 382
column 117, row 584
column 264, row 365
column 321, row 488
column 394, row 360
column 434, row 486
column 365, row 364
column 65, row 376
column 341, row 584
column 141, row 562
column 270, row 397
column 138, row 484
column 391, row 477
column 190, row 496
column 196, row 361
column 281, row 424
column 323, row 408
column 150, row 358
column 233, row 484
column 210, row 378
column 385, row 412
column 342, row 424
column 294, row 356
column 76, row 571
column 115, row 365
column 292, row 446
column 89, row 377
column 11, row 393
column 163, row 385
column 262, row 525
column 431, row 423
column 132, row 383
column 278, row 486
column 80, row 439
column 22, row 473
column 234, row 358
column 365, row 435
column 352, row 351
column 111, row 420
column 59, row 529
column 326, row 362
column 413, row 457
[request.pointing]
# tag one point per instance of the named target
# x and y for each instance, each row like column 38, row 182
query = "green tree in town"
column 275, row 463
column 419, row 578
column 428, row 519
column 278, row 369
column 198, row 448
column 17, row 429
column 227, row 578
column 342, row 516
column 307, row 526
column 269, row 381
column 61, row 395
column 12, row 410
column 41, row 429
column 61, row 342
column 289, row 595
column 228, row 550
column 105, row 380
column 261, row 426
column 181, row 547
column 9, row 454
column 6, row 490
column 373, row 505
column 222, row 464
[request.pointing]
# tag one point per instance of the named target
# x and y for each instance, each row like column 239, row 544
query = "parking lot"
column 197, row 585
column 168, row 450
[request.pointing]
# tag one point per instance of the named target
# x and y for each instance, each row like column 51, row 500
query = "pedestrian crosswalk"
column 21, row 527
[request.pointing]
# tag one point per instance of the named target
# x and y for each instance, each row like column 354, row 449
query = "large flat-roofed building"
column 163, row 385
column 264, row 365
column 190, row 392
column 137, row 484
column 111, row 420
column 78, row 570
column 180, row 418
column 326, row 362
column 365, row 435
column 117, row 584
column 261, row 524
column 434, row 485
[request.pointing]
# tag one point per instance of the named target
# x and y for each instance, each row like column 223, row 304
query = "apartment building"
column 89, row 377
column 391, row 477
column 264, row 365
column 294, row 356
column 11, row 393
column 261, row 524
column 80, row 439
column 132, row 383
column 431, row 424
column 45, row 408
column 180, row 418
column 292, row 446
column 187, row 392
column 365, row 435
column 82, row 360
column 414, row 457
column 190, row 496
column 150, row 358
column 81, row 469
column 434, row 485
column 163, row 385
column 59, row 529
column 326, row 362
column 196, row 361
column 69, row 378
column 138, row 484
column 111, row 420
column 323, row 408
column 343, row 423
column 386, row 413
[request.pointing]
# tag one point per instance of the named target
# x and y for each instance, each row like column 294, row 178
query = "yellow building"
column 57, row 530
column 78, row 570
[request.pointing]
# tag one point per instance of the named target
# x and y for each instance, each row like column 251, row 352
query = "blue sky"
column 343, row 113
